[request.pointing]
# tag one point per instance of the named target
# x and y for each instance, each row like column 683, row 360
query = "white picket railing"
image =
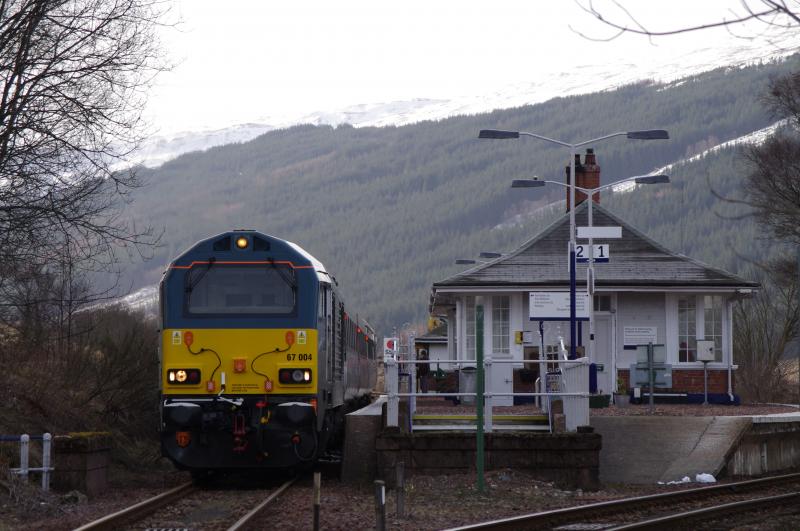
column 572, row 388
column 24, row 460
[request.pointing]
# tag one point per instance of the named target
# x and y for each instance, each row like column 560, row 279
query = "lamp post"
column 639, row 179
column 651, row 134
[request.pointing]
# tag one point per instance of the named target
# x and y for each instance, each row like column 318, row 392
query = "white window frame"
column 672, row 343
column 498, row 350
column 463, row 336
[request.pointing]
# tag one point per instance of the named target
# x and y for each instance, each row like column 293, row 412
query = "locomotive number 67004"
column 260, row 359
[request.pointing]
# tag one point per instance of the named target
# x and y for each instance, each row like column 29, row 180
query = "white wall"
column 639, row 309
column 438, row 352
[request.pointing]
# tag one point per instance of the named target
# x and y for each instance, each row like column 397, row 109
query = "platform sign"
column 601, row 253
column 390, row 347
column 554, row 306
column 600, row 232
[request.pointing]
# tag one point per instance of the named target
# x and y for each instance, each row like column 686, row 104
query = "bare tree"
column 765, row 327
column 73, row 80
column 615, row 15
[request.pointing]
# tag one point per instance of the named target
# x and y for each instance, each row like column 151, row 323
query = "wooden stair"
column 433, row 422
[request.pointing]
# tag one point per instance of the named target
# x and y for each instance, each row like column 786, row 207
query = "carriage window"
column 240, row 289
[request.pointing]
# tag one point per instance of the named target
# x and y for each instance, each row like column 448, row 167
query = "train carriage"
column 259, row 357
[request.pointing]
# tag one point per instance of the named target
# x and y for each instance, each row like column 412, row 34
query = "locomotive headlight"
column 183, row 376
column 241, row 242
column 294, row 376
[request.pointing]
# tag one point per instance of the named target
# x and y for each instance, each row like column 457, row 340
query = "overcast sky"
column 250, row 60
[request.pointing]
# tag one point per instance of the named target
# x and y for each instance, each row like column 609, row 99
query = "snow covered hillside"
column 583, row 77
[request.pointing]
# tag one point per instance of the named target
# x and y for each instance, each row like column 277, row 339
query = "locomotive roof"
column 204, row 248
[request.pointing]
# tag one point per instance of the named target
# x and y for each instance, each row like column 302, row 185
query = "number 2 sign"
column 600, row 253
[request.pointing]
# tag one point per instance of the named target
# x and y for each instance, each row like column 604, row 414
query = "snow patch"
column 580, row 79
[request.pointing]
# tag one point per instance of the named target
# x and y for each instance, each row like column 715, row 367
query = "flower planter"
column 621, row 400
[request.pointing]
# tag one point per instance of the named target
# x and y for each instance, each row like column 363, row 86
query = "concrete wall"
column 81, row 462
column 571, row 460
column 361, row 429
column 771, row 445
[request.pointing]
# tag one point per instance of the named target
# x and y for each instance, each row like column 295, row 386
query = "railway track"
column 671, row 510
column 192, row 507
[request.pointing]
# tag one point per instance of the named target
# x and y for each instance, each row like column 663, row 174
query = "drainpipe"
column 729, row 317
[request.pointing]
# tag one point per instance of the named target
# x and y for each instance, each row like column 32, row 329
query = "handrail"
column 24, row 468
column 573, row 388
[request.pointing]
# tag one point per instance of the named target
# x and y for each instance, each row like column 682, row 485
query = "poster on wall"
column 638, row 335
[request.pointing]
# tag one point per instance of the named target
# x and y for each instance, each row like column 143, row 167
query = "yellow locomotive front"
column 242, row 363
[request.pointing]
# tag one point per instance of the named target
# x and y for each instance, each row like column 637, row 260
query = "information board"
column 638, row 335
column 554, row 306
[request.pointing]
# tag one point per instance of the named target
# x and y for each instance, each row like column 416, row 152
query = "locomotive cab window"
column 216, row 289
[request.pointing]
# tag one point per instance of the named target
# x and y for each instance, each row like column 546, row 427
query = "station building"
column 644, row 293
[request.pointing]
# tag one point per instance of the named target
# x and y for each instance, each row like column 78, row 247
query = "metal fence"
column 24, row 456
column 570, row 383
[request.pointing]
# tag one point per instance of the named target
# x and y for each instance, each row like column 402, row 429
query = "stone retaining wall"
column 571, row 460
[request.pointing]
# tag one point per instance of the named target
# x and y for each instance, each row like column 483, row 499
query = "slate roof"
column 636, row 261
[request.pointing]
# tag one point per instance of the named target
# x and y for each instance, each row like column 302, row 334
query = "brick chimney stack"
column 587, row 175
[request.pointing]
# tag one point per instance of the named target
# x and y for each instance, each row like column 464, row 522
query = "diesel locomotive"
column 259, row 356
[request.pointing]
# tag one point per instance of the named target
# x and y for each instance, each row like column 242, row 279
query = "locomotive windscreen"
column 256, row 289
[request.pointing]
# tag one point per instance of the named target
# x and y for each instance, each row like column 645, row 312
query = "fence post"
column 316, row 502
column 489, row 404
column 412, row 355
column 392, row 404
column 46, row 441
column 380, row 505
column 401, row 489
column 24, row 444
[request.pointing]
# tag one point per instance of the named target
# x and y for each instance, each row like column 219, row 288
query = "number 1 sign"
column 600, row 253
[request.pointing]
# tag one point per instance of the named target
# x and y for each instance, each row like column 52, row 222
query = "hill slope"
column 389, row 209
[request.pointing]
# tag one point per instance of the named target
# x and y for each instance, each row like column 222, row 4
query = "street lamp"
column 650, row 134
column 639, row 179
column 482, row 254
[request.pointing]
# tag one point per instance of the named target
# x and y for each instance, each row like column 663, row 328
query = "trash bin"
column 467, row 383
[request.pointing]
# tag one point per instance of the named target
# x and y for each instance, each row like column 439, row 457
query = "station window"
column 602, row 303
column 500, row 325
column 687, row 329
column 470, row 328
column 699, row 317
column 712, row 309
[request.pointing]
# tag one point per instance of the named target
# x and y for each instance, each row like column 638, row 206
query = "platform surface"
column 648, row 450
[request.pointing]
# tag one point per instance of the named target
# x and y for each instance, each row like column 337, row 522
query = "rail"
column 24, row 468
column 125, row 517
column 247, row 520
column 118, row 519
column 548, row 519
column 570, row 383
